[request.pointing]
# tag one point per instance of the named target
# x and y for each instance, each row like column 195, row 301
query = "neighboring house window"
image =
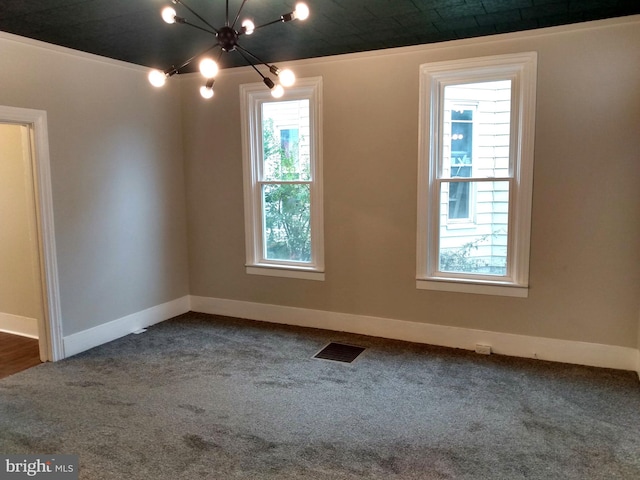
column 461, row 160
column 289, row 140
column 476, row 174
column 283, row 180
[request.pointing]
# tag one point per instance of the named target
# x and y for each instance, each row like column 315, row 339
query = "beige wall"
column 19, row 279
column 585, row 251
column 117, row 179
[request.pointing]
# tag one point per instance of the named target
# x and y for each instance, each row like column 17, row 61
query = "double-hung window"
column 283, row 180
column 476, row 174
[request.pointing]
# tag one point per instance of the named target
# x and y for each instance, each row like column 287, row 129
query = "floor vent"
column 339, row 352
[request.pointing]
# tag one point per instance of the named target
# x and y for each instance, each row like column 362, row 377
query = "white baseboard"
column 17, row 325
column 567, row 351
column 581, row 353
column 107, row 332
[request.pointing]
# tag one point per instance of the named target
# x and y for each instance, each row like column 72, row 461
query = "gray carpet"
column 217, row 398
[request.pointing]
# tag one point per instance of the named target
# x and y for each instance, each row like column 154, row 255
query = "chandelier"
column 227, row 40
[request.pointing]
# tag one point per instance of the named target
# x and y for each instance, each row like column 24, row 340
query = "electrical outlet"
column 483, row 349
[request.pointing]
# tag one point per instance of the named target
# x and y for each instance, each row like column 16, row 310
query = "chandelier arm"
column 193, row 25
column 180, row 2
column 267, row 24
column 196, row 56
column 252, row 55
column 238, row 15
column 250, row 62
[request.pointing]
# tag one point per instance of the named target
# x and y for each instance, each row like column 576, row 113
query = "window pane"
column 481, row 248
column 477, row 119
column 287, row 226
column 285, row 140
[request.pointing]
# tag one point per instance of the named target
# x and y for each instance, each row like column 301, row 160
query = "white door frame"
column 50, row 326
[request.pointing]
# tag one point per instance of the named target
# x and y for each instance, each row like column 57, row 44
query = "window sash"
column 262, row 244
column 434, row 246
column 262, row 161
column 297, row 246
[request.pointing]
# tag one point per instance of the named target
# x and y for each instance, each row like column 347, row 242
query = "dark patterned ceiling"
column 133, row 31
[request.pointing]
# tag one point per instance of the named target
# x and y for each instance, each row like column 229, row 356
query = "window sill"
column 300, row 273
column 485, row 288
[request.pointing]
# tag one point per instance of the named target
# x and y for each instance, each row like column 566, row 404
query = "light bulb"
column 249, row 27
column 206, row 92
column 287, row 77
column 277, row 91
column 301, row 11
column 169, row 15
column 157, row 78
column 208, row 68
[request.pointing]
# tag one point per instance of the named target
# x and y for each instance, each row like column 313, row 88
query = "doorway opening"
column 29, row 293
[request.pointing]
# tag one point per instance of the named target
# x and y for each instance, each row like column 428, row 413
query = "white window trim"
column 521, row 69
column 251, row 98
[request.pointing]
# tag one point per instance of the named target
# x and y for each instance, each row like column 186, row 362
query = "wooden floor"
column 17, row 353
